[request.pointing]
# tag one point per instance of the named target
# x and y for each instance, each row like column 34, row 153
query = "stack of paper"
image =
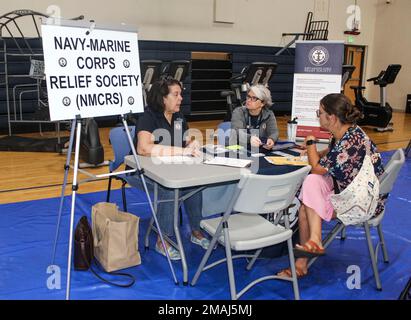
column 211, row 148
column 294, row 161
column 231, row 162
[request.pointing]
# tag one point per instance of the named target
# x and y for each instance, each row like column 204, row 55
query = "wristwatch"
column 310, row 142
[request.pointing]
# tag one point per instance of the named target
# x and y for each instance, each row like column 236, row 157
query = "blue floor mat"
column 27, row 231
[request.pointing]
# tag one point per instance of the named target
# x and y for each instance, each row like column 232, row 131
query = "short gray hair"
column 262, row 93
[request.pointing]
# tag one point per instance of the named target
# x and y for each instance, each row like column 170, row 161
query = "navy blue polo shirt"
column 164, row 133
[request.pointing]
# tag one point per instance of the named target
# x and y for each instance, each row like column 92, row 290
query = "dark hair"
column 340, row 106
column 158, row 91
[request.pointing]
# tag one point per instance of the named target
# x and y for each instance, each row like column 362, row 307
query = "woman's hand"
column 255, row 141
column 192, row 149
column 269, row 145
column 309, row 138
column 303, row 152
column 194, row 144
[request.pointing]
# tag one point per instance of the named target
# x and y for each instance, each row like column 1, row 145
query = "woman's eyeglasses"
column 253, row 99
column 319, row 112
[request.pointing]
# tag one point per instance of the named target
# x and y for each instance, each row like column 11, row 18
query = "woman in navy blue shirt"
column 161, row 130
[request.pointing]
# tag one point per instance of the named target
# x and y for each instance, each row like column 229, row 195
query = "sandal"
column 173, row 253
column 300, row 273
column 204, row 242
column 309, row 250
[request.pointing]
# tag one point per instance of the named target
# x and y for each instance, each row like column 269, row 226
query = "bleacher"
column 206, row 79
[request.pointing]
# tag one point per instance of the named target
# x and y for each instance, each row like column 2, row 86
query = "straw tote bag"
column 357, row 203
column 84, row 255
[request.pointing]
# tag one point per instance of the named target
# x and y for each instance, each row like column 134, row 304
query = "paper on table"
column 294, row 161
column 231, row 162
column 177, row 159
column 214, row 148
column 256, row 155
column 283, row 146
column 282, row 154
column 234, row 147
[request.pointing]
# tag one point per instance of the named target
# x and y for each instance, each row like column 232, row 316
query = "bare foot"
column 161, row 245
column 198, row 234
column 287, row 273
column 300, row 269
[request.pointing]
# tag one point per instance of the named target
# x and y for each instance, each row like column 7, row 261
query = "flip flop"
column 309, row 250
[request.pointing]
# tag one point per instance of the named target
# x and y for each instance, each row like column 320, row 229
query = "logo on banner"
column 318, row 56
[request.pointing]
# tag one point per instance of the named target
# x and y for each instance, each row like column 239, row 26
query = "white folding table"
column 182, row 175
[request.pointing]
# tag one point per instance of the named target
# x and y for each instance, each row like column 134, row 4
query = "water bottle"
column 292, row 129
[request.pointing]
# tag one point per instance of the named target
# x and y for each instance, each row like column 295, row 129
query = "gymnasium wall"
column 392, row 44
column 256, row 22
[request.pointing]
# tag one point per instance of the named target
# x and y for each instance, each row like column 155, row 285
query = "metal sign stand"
column 75, row 137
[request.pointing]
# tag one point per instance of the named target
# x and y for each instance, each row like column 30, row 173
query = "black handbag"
column 83, row 245
column 84, row 253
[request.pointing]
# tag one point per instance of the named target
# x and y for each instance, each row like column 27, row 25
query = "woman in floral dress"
column 334, row 167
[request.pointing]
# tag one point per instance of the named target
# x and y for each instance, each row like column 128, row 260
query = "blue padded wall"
column 241, row 55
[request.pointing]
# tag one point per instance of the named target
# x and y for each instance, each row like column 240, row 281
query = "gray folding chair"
column 223, row 133
column 121, row 148
column 387, row 180
column 408, row 148
column 254, row 195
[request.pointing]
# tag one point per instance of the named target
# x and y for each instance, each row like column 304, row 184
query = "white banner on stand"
column 317, row 72
column 91, row 72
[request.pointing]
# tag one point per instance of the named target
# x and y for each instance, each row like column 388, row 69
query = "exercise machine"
column 153, row 70
column 377, row 114
column 255, row 73
column 347, row 71
column 150, row 72
column 91, row 149
column 176, row 69
column 22, row 80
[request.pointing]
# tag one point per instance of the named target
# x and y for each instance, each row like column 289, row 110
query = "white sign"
column 317, row 72
column 308, row 90
column 91, row 72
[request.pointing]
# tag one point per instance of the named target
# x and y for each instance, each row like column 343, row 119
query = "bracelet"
column 310, row 142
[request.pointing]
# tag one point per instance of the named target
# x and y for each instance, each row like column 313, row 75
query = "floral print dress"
column 345, row 158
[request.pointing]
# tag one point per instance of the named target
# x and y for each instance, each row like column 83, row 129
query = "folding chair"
column 223, row 133
column 387, row 180
column 255, row 195
column 408, row 148
column 121, row 148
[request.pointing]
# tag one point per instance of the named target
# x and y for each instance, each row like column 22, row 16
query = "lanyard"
column 248, row 120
